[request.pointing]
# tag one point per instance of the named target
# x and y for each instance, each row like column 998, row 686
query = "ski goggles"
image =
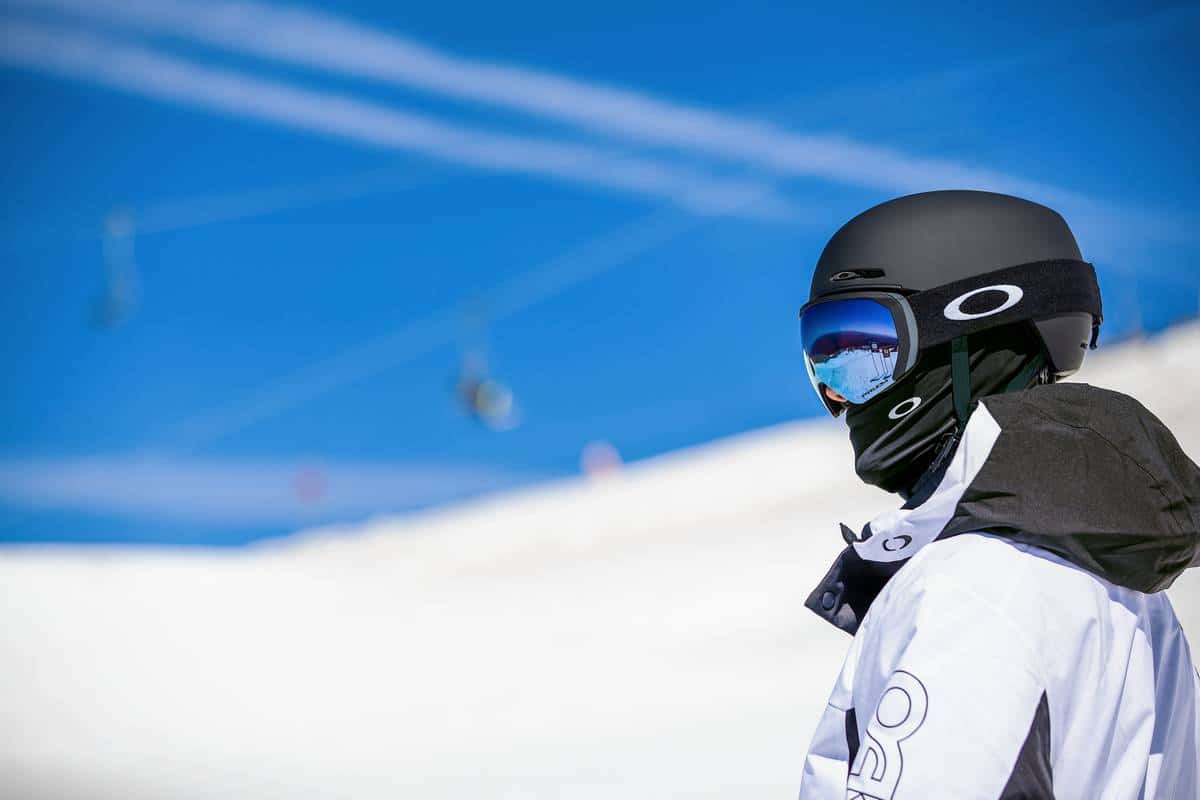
column 860, row 343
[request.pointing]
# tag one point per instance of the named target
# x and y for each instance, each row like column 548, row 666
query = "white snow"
column 636, row 636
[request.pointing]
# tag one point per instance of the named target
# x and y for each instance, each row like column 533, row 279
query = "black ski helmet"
column 997, row 277
column 927, row 240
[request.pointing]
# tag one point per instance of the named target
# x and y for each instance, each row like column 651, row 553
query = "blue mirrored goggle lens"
column 851, row 346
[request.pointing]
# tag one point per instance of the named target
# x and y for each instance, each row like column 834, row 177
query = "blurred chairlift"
column 122, row 289
column 485, row 399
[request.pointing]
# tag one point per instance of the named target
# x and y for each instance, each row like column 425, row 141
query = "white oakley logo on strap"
column 905, row 407
column 1013, row 295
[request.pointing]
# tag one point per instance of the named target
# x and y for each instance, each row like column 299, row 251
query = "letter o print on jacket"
column 877, row 769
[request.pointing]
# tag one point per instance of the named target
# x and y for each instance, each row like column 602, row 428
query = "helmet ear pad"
column 1066, row 339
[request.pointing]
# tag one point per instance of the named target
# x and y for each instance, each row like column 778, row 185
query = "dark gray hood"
column 1087, row 474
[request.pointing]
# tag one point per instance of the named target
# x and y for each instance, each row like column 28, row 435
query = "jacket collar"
column 888, row 541
column 1083, row 473
column 897, row 535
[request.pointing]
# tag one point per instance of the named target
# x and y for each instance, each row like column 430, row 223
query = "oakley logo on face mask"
column 904, row 408
column 1012, row 296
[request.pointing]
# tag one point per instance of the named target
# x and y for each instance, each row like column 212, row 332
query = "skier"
column 1012, row 638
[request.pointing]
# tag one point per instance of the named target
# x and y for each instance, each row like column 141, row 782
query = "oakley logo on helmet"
column 904, row 408
column 1012, row 296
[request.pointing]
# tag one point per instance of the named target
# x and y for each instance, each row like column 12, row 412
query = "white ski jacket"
column 1039, row 659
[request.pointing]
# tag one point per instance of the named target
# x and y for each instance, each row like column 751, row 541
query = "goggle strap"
column 960, row 375
column 1021, row 379
column 1037, row 290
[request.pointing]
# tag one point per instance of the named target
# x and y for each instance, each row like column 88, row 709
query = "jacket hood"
column 1085, row 473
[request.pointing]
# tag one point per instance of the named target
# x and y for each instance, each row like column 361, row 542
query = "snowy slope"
column 637, row 636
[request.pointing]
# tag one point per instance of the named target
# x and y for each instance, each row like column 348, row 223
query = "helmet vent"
column 854, row 274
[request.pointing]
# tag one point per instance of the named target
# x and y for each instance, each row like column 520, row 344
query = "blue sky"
column 620, row 204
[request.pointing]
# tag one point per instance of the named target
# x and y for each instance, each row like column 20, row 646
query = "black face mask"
column 896, row 437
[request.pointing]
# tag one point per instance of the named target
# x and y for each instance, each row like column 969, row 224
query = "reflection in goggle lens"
column 851, row 346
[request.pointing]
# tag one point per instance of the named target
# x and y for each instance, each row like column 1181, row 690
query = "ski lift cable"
column 375, row 355
column 247, row 204
column 122, row 290
column 202, row 210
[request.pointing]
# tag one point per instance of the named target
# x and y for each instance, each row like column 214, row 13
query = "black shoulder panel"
column 1032, row 777
column 852, row 743
column 1091, row 476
